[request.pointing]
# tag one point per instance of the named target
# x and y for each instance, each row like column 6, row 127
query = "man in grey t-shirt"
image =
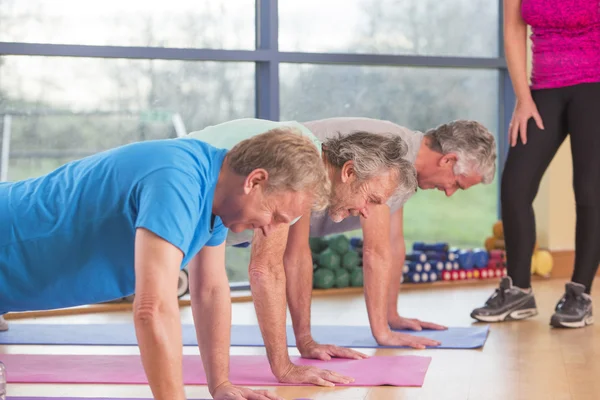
column 452, row 156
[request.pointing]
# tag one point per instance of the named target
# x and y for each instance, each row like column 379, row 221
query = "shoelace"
column 497, row 298
column 570, row 302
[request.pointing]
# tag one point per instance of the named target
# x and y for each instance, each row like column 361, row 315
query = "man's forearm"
column 376, row 269
column 268, row 294
column 212, row 317
column 158, row 331
column 399, row 255
column 299, row 278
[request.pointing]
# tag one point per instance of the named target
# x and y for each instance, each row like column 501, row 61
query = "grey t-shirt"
column 320, row 223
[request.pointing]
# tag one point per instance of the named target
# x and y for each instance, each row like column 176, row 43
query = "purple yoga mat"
column 245, row 370
column 87, row 398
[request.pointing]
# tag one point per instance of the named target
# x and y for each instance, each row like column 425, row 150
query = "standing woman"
column 562, row 99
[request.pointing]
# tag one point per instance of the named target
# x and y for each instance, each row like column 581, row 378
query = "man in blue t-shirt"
column 128, row 219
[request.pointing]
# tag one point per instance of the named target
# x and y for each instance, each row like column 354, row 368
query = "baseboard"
column 563, row 264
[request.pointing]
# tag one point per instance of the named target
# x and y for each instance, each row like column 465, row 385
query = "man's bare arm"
column 377, row 264
column 395, row 321
column 299, row 277
column 268, row 285
column 156, row 314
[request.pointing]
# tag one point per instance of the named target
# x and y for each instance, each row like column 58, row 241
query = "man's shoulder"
column 227, row 134
column 324, row 128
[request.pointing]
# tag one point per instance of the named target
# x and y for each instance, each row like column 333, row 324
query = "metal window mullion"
column 267, row 71
column 266, row 52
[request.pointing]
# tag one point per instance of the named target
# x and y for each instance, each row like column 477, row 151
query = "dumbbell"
column 438, row 247
column 415, row 266
column 323, row 278
column 356, row 277
column 465, row 259
column 340, row 244
column 317, row 244
column 342, row 278
column 350, row 260
column 329, row 259
column 438, row 266
column 498, row 255
column 416, row 256
column 356, row 242
column 480, row 258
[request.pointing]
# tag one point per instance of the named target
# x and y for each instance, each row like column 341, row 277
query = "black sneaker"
column 574, row 309
column 507, row 303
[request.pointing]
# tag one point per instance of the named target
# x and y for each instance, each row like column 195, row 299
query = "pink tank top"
column 565, row 41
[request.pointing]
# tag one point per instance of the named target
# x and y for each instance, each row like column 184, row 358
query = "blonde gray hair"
column 292, row 161
column 373, row 154
column 473, row 144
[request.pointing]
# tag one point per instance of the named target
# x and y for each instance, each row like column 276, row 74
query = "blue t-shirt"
column 67, row 238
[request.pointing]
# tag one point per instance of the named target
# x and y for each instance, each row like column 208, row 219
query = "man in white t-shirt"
column 452, row 156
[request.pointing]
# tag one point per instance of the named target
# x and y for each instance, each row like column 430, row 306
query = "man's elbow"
column 260, row 274
column 376, row 258
column 147, row 308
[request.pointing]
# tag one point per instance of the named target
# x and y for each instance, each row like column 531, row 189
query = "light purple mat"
column 89, row 398
column 244, row 370
column 471, row 337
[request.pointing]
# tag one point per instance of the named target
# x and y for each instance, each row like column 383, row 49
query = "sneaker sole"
column 507, row 316
column 577, row 324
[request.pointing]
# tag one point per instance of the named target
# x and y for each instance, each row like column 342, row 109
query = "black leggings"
column 573, row 110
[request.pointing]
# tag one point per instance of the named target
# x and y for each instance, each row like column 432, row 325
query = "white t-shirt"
column 320, row 223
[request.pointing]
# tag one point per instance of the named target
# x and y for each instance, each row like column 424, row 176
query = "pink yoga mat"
column 245, row 370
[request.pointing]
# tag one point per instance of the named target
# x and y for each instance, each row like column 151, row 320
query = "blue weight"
column 417, row 256
column 436, row 255
column 480, row 258
column 415, row 266
column 356, row 242
column 421, row 246
column 465, row 259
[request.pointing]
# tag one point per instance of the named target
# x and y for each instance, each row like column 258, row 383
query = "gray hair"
column 291, row 159
column 472, row 142
column 373, row 154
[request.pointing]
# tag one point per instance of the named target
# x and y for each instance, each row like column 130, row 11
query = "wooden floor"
column 521, row 360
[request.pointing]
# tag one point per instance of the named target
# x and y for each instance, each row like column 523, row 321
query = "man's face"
column 440, row 175
column 257, row 209
column 352, row 197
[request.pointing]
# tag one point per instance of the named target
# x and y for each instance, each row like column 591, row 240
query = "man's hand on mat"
column 326, row 352
column 226, row 391
column 314, row 375
column 403, row 339
column 413, row 324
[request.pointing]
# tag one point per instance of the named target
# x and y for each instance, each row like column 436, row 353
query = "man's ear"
column 256, row 179
column 347, row 171
column 448, row 160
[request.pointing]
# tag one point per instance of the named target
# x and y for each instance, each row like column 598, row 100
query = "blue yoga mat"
column 241, row 335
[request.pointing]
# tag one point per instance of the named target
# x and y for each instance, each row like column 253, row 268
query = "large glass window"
column 65, row 108
column 214, row 24
column 89, row 94
column 421, row 27
column 417, row 98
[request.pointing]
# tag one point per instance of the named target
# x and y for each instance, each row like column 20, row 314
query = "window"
column 174, row 23
column 422, row 27
column 66, row 108
column 420, row 99
column 79, row 77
